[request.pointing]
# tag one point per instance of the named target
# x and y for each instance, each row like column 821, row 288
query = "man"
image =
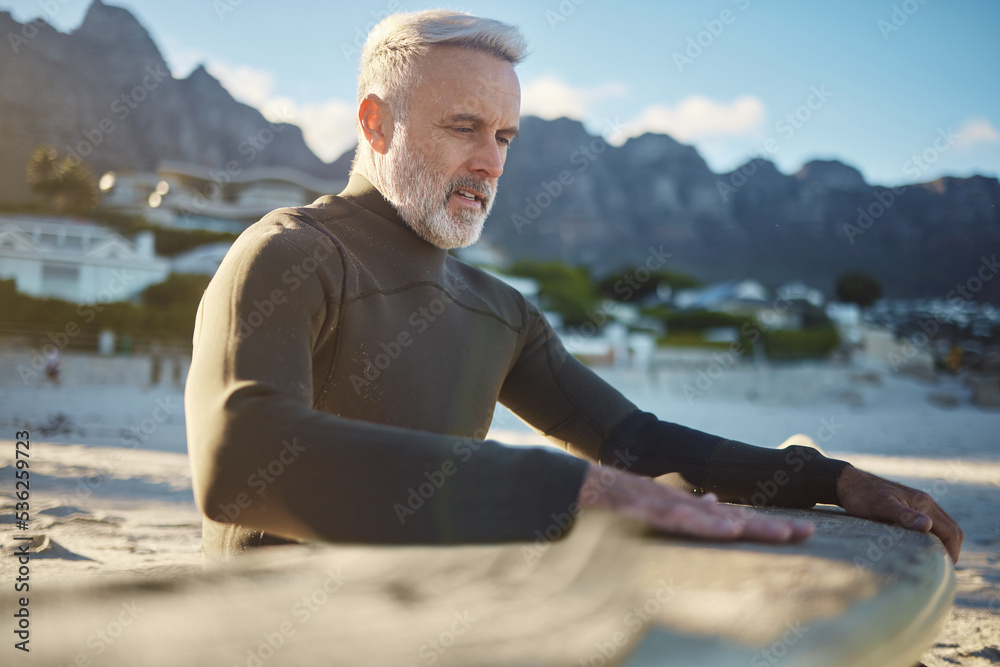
column 346, row 368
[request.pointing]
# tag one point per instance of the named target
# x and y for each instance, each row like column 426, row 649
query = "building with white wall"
column 195, row 197
column 76, row 260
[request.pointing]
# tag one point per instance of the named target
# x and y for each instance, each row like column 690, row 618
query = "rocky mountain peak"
column 114, row 28
column 831, row 175
column 202, row 81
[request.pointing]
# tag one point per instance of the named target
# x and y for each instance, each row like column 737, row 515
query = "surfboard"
column 857, row 593
column 610, row 593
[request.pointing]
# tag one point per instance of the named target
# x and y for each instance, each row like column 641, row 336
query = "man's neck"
column 364, row 166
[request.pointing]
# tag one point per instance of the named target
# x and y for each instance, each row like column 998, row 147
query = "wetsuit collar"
column 362, row 192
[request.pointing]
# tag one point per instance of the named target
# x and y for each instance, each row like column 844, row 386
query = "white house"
column 76, row 260
column 191, row 196
column 740, row 296
column 798, row 290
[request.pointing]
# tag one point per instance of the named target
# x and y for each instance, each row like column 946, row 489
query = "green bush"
column 566, row 290
column 693, row 320
column 172, row 241
column 170, row 306
column 812, row 343
column 816, row 340
column 619, row 284
column 166, row 312
column 699, row 320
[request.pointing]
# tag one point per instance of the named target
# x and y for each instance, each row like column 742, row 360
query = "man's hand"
column 683, row 513
column 869, row 497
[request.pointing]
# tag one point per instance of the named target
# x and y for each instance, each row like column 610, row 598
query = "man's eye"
column 504, row 140
column 463, row 130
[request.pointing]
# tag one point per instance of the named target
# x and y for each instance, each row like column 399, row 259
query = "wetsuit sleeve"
column 263, row 458
column 556, row 394
column 562, row 398
column 795, row 476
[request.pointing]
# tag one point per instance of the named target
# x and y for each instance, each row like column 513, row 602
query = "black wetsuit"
column 344, row 376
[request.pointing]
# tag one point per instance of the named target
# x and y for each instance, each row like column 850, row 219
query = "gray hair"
column 399, row 40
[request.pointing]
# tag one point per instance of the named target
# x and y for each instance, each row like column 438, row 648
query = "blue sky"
column 872, row 83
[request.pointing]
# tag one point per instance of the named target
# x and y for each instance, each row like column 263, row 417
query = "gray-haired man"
column 346, row 367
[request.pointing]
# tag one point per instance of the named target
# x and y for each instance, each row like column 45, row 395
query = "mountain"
column 104, row 91
column 613, row 203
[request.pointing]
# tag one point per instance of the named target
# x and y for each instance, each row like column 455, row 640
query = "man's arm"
column 795, row 476
column 568, row 402
column 674, row 510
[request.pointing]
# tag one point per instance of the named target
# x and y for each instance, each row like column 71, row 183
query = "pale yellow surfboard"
column 608, row 594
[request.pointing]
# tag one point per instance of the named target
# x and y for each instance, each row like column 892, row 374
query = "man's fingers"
column 802, row 530
column 947, row 530
column 694, row 518
column 865, row 495
column 952, row 544
column 762, row 528
column 929, row 518
column 766, row 530
column 913, row 519
column 676, row 511
column 724, row 522
column 925, row 515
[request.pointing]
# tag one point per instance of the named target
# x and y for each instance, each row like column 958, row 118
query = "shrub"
column 614, row 285
column 699, row 320
column 812, row 343
column 564, row 289
column 167, row 311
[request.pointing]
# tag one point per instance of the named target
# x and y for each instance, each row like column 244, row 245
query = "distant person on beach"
column 52, row 366
column 346, row 367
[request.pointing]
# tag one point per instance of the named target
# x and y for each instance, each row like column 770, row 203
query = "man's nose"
column 488, row 158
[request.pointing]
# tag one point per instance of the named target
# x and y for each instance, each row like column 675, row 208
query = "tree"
column 43, row 172
column 564, row 289
column 67, row 184
column 858, row 287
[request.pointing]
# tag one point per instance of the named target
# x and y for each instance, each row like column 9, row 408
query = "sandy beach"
column 111, row 488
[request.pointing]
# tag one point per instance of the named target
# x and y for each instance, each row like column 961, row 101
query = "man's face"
column 445, row 157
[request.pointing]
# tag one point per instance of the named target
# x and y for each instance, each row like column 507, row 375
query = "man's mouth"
column 469, row 194
column 469, row 197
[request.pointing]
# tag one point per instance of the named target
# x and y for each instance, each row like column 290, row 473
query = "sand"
column 111, row 488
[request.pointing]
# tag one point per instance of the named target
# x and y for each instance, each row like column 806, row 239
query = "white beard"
column 414, row 185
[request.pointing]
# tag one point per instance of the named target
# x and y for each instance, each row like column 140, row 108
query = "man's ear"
column 376, row 122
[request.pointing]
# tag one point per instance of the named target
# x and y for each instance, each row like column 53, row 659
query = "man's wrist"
column 594, row 489
column 796, row 476
column 844, row 480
